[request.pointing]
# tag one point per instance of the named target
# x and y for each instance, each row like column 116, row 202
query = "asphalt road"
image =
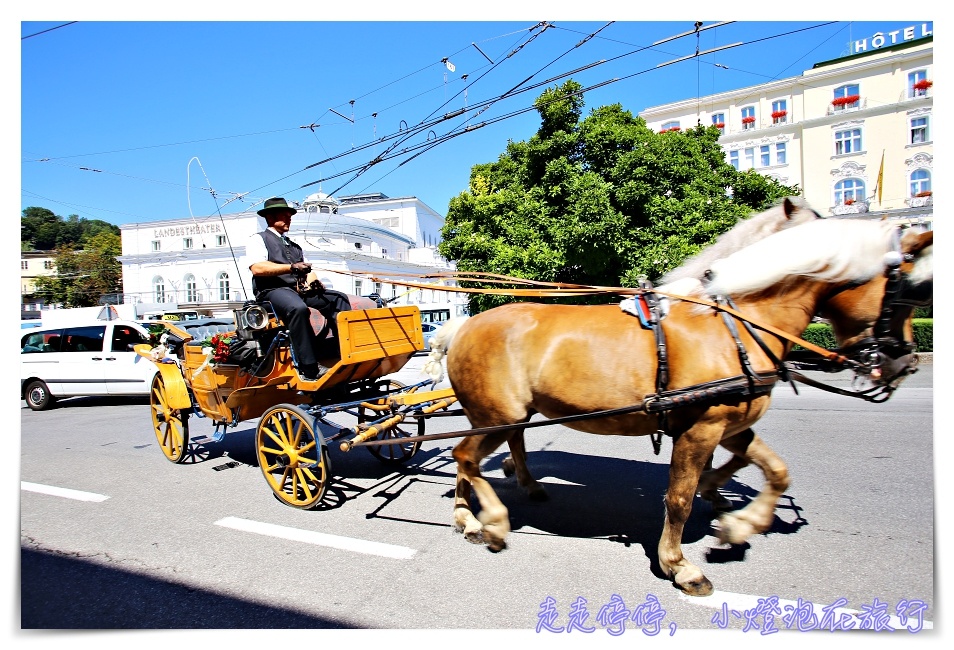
column 206, row 545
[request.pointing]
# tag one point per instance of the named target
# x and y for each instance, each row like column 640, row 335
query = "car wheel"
column 37, row 396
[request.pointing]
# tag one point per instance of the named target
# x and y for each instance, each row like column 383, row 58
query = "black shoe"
column 312, row 373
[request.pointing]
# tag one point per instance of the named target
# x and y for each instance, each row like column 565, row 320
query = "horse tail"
column 440, row 344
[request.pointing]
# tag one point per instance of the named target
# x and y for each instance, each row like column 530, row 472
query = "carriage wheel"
column 170, row 425
column 399, row 453
column 295, row 466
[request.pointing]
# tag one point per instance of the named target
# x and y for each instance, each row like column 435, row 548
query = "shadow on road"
column 69, row 593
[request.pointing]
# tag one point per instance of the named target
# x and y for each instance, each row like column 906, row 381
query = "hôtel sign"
column 881, row 39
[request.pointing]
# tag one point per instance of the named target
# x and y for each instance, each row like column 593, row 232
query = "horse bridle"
column 885, row 350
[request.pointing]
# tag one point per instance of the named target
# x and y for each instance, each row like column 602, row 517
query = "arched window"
column 849, row 191
column 672, row 125
column 159, row 288
column 920, row 181
column 223, row 279
column 191, row 295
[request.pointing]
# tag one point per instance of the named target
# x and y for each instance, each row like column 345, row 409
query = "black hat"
column 274, row 205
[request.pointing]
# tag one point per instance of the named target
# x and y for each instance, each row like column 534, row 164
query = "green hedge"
column 821, row 334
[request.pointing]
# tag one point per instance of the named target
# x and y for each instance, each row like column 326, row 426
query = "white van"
column 93, row 358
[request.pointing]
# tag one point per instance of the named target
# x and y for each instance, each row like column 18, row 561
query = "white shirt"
column 255, row 250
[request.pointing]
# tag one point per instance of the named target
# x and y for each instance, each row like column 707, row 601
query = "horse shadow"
column 621, row 501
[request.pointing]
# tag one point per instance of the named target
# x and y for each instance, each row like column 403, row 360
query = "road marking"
column 743, row 602
column 319, row 539
column 62, row 492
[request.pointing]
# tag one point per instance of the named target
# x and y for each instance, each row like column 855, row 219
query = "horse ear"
column 789, row 207
column 914, row 242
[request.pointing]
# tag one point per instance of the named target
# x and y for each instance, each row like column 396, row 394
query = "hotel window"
column 780, row 154
column 220, row 240
column 847, row 96
column 191, row 294
column 920, row 181
column 919, row 130
column 748, row 118
column 718, row 121
column 155, row 245
column 357, row 287
column 848, row 141
column 187, row 243
column 749, row 160
column 849, row 191
column 672, row 125
column 24, row 264
column 918, row 83
column 377, row 288
column 765, row 156
column 159, row 289
column 223, row 279
column 780, row 111
column 734, row 158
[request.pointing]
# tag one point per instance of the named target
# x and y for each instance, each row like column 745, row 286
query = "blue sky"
column 135, row 121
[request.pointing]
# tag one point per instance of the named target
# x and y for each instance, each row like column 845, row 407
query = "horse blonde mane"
column 745, row 232
column 833, row 250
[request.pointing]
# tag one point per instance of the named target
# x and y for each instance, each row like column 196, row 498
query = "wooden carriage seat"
column 320, row 324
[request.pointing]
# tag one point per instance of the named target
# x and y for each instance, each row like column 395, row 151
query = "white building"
column 828, row 129
column 199, row 262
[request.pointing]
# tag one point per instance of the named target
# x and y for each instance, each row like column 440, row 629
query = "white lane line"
column 319, row 539
column 744, row 602
column 62, row 492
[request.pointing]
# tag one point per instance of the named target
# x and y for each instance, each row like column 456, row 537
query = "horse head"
column 871, row 320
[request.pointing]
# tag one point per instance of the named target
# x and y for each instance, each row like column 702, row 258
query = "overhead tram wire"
column 412, row 131
column 429, row 145
column 426, row 125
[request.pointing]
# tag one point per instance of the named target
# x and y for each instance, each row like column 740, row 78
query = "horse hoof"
column 508, row 467
column 474, row 536
column 698, row 587
column 495, row 546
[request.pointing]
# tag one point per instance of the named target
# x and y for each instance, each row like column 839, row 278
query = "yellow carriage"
column 292, row 434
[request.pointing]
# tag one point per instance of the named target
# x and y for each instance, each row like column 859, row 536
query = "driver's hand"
column 301, row 268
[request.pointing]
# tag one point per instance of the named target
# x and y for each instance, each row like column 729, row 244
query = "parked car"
column 430, row 329
column 90, row 358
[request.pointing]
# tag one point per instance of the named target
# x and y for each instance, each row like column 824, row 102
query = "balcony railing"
column 858, row 207
column 847, row 108
column 919, row 201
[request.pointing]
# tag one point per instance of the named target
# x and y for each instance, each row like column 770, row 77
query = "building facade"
column 199, row 262
column 34, row 264
column 829, row 129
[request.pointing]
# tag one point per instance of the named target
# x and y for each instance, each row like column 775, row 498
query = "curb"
column 926, row 358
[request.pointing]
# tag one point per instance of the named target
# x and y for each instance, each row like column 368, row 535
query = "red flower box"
column 920, row 194
column 778, row 114
column 674, row 128
column 924, row 84
column 844, row 101
column 748, row 120
column 719, row 125
column 849, row 201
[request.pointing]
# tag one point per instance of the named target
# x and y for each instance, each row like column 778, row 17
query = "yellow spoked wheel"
column 294, row 464
column 171, row 425
column 404, row 449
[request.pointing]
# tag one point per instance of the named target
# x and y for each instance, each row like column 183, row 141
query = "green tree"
column 41, row 229
column 83, row 276
column 599, row 200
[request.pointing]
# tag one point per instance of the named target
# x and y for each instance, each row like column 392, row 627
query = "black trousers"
column 292, row 309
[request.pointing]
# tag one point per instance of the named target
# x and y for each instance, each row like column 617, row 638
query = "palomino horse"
column 789, row 212
column 510, row 362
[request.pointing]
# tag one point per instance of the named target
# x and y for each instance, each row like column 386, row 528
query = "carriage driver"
column 276, row 262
